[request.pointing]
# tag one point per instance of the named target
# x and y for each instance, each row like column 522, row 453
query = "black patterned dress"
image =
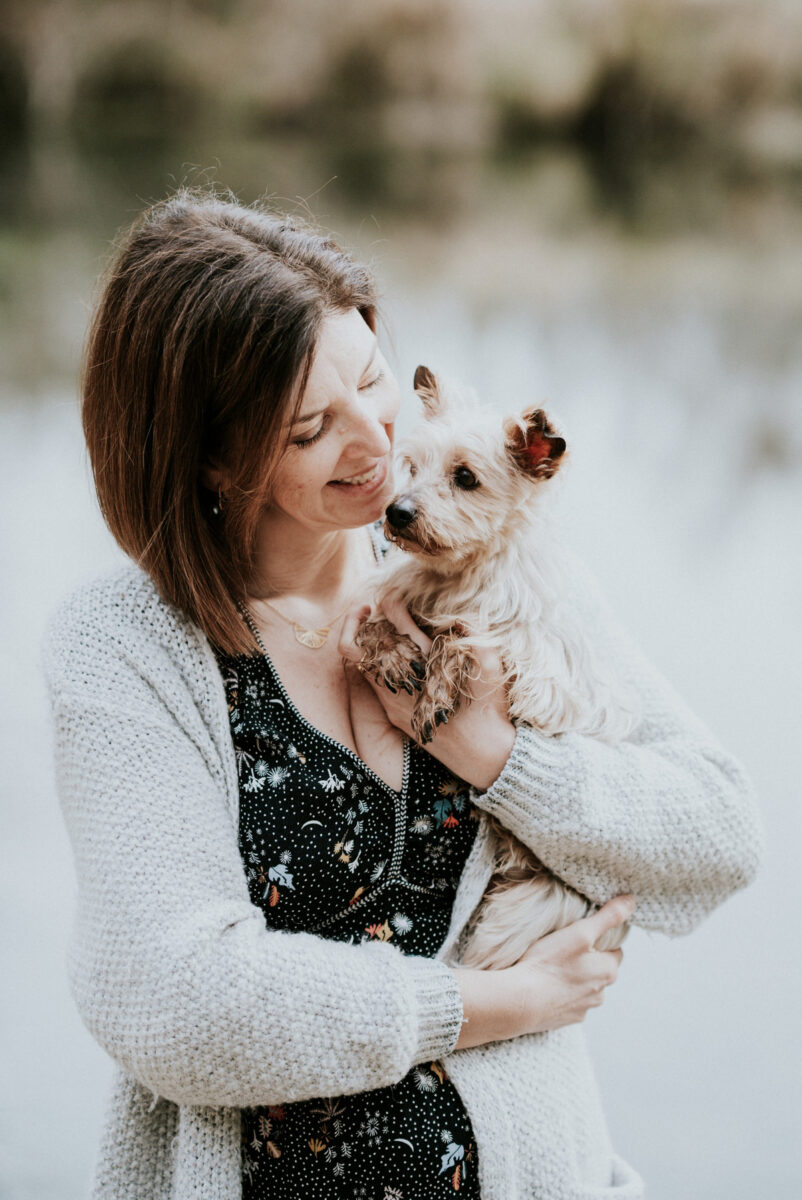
column 330, row 848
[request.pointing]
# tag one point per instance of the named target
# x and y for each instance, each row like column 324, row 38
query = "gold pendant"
column 312, row 638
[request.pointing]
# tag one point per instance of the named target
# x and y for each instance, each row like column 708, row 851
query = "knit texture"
column 205, row 1010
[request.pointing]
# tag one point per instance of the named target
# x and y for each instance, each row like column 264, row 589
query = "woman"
column 272, row 880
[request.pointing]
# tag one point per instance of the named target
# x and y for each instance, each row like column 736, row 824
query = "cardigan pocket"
column 626, row 1184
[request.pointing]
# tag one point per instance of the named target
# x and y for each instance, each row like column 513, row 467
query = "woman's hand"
column 476, row 742
column 556, row 981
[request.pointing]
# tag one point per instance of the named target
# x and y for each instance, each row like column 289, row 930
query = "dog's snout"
column 401, row 513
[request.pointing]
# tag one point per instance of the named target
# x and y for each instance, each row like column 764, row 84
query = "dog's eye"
column 411, row 468
column 465, row 478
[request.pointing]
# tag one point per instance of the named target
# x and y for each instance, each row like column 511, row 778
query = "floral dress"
column 330, row 848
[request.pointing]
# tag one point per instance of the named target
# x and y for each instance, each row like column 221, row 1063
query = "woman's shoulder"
column 125, row 598
column 116, row 617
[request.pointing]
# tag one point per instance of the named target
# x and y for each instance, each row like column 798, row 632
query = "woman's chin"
column 371, row 511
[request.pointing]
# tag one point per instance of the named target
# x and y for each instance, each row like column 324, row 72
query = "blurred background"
column 593, row 204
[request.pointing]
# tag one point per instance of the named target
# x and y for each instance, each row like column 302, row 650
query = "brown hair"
column 198, row 354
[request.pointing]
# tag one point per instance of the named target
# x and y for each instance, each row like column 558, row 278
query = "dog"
column 481, row 568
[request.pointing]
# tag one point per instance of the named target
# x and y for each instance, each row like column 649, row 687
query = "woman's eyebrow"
column 303, row 417
column 308, row 416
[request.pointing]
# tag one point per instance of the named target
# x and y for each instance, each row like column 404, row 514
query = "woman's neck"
column 318, row 567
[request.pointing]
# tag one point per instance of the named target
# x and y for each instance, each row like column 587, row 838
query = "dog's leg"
column 524, row 902
column 390, row 657
column 450, row 666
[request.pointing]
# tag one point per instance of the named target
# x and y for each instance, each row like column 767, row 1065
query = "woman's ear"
column 214, row 477
column 210, row 477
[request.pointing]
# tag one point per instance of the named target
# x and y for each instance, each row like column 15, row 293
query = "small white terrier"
column 482, row 569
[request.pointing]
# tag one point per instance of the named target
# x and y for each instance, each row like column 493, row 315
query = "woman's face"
column 336, row 472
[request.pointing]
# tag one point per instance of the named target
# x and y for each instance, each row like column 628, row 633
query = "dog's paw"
column 450, row 667
column 389, row 657
column 425, row 720
column 427, row 716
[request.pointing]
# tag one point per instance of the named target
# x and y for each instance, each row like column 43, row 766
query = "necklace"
column 313, row 639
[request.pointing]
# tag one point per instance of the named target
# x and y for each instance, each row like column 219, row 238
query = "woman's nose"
column 373, row 421
column 370, row 435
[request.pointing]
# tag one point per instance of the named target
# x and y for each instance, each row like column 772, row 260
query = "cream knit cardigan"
column 205, row 1010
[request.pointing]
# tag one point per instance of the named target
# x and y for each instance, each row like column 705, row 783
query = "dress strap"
column 378, row 541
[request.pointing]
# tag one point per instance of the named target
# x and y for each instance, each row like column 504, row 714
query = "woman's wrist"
column 498, row 749
column 479, row 760
column 493, row 1006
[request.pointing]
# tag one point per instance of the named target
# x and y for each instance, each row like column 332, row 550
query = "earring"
column 218, row 507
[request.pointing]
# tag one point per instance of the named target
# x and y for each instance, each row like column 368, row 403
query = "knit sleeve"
column 173, row 970
column 666, row 814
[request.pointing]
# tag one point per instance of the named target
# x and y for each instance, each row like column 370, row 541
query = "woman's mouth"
column 365, row 482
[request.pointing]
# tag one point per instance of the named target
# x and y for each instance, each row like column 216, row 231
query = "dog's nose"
column 401, row 512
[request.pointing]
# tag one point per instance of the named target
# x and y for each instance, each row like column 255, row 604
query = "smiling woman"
column 337, row 472
column 274, row 878
column 225, row 305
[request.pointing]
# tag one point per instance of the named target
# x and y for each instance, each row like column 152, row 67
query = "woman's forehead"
column 345, row 350
column 345, row 341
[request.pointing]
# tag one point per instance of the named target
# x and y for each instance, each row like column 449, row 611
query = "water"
column 666, row 341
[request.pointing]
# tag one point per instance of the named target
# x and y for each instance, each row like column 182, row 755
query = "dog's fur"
column 482, row 569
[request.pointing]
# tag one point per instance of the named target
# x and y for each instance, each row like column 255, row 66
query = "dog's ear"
column 429, row 390
column 533, row 445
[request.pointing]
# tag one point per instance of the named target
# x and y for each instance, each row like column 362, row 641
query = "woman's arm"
column 667, row 814
column 172, row 968
column 553, row 984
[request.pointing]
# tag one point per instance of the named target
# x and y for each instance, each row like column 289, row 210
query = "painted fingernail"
column 418, row 667
column 441, row 716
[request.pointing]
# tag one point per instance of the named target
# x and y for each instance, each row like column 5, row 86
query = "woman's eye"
column 367, row 386
column 307, row 441
column 465, row 478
